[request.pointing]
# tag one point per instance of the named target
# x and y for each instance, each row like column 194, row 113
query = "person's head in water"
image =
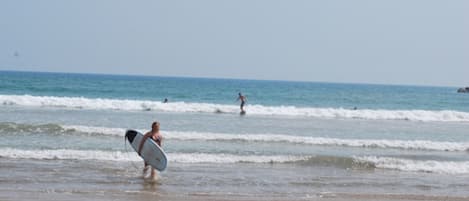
column 155, row 126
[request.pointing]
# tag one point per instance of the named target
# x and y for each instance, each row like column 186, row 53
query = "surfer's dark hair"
column 155, row 123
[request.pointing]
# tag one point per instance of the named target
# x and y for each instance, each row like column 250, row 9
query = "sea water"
column 297, row 138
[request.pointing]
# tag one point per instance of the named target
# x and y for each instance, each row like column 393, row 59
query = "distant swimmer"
column 243, row 100
column 155, row 135
column 165, row 100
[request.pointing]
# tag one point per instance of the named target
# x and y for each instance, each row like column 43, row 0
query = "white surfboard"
column 151, row 152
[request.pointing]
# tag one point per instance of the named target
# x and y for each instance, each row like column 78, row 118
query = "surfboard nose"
column 130, row 135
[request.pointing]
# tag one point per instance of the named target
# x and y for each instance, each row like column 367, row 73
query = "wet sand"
column 22, row 179
column 118, row 196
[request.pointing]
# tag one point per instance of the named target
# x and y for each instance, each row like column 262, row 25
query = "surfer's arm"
column 142, row 143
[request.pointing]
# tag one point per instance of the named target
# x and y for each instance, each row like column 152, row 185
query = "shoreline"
column 125, row 196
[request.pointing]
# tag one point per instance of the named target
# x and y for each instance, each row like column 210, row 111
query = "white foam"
column 229, row 158
column 379, row 143
column 121, row 104
column 445, row 167
column 67, row 154
column 96, row 130
column 400, row 144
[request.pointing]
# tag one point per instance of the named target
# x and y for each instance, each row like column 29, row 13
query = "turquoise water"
column 224, row 91
column 406, row 132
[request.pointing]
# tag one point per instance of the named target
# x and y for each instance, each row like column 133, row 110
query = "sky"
column 410, row 42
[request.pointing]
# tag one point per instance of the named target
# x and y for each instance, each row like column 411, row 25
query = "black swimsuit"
column 158, row 140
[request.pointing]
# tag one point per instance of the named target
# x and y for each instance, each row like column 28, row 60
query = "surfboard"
column 151, row 152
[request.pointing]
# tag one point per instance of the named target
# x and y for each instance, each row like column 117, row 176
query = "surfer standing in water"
column 155, row 135
column 243, row 100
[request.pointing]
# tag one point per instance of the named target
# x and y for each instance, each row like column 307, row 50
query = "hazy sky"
column 423, row 42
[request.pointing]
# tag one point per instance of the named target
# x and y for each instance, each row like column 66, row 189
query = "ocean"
column 63, row 135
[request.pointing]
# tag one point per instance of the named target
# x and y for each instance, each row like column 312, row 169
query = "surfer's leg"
column 145, row 168
column 153, row 173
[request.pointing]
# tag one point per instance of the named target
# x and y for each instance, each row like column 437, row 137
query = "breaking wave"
column 143, row 105
column 268, row 138
column 68, row 154
column 445, row 167
column 367, row 162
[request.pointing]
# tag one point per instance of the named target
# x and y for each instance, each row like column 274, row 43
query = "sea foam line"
column 373, row 143
column 444, row 167
column 267, row 138
column 399, row 144
column 68, row 154
column 121, row 104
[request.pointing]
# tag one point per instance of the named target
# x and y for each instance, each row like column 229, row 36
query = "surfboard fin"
column 130, row 134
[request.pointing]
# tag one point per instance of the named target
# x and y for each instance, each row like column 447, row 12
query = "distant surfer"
column 155, row 135
column 165, row 100
column 243, row 100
